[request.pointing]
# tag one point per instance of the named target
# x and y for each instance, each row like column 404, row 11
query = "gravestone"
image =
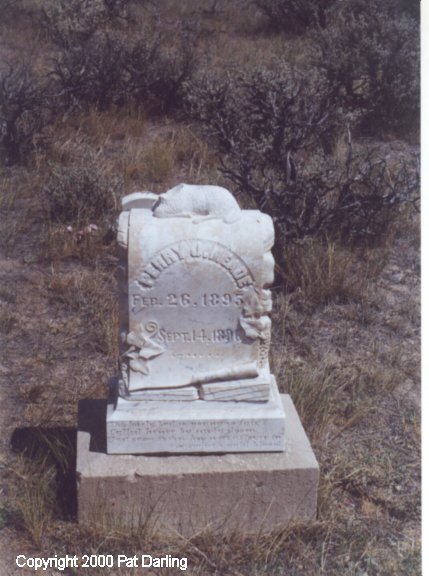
column 198, row 435
column 195, row 327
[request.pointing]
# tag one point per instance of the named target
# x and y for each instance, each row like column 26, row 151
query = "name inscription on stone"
column 196, row 249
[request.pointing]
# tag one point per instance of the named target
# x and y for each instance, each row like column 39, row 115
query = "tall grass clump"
column 319, row 271
column 32, row 497
column 82, row 190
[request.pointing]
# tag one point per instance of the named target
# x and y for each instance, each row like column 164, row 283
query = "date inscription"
column 203, row 336
column 186, row 300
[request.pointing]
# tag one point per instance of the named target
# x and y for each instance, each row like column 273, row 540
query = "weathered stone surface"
column 196, row 300
column 188, row 493
column 251, row 390
column 139, row 200
column 194, row 303
column 195, row 329
column 178, row 427
column 186, row 393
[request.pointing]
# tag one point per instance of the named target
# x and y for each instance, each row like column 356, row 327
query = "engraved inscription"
column 222, row 300
column 210, row 300
column 194, row 355
column 191, row 434
column 202, row 335
column 196, row 249
column 138, row 302
column 195, row 290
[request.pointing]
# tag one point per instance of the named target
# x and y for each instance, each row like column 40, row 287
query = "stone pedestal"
column 188, row 493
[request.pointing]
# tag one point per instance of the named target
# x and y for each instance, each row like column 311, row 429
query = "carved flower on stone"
column 142, row 349
column 256, row 327
column 253, row 320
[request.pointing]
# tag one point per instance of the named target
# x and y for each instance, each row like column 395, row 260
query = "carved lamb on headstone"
column 198, row 202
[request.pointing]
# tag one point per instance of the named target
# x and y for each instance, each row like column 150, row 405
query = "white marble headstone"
column 195, row 326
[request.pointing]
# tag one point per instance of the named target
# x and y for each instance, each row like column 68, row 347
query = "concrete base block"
column 189, row 493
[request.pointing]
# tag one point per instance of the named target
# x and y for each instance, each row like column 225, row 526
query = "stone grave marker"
column 195, row 327
column 198, row 435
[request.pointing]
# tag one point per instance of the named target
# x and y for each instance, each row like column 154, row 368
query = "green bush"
column 157, row 68
column 370, row 54
column 276, row 132
column 294, row 15
column 108, row 69
column 67, row 22
column 104, row 65
column 26, row 107
column 91, row 72
column 71, row 22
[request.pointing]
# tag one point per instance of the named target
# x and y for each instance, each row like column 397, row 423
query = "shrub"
column 275, row 132
column 271, row 111
column 410, row 7
column 158, row 68
column 107, row 68
column 369, row 189
column 294, row 15
column 92, row 71
column 370, row 55
column 8, row 8
column 117, row 8
column 25, row 108
column 89, row 64
column 72, row 22
column 81, row 192
column 66, row 23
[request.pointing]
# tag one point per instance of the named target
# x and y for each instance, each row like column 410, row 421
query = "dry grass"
column 17, row 208
column 112, row 125
column 89, row 294
column 345, row 343
column 7, row 195
column 32, row 497
column 159, row 161
column 194, row 158
column 320, row 271
column 61, row 242
column 179, row 150
column 7, row 321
